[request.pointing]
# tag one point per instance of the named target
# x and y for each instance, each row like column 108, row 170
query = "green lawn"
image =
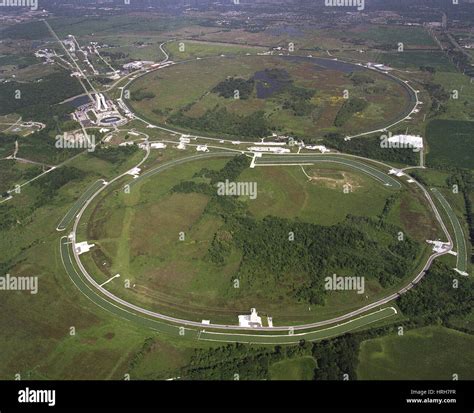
column 421, row 354
column 293, row 369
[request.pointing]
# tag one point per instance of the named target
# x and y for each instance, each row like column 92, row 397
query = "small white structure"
column 181, row 146
column 439, row 246
column 252, row 320
column 83, row 247
column 262, row 143
column 271, row 149
column 135, row 172
column 270, row 322
column 157, row 145
column 207, row 322
column 320, row 148
column 202, row 148
column 396, row 172
column 184, row 139
column 128, row 143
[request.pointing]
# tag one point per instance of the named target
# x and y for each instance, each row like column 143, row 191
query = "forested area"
column 434, row 300
column 334, row 358
column 358, row 246
column 114, row 154
column 28, row 99
column 228, row 87
column 437, row 296
column 220, row 120
column 371, row 148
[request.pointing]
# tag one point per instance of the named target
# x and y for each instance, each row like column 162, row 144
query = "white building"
column 202, row 148
column 252, row 320
column 406, row 141
column 320, row 148
column 272, row 149
column 82, row 247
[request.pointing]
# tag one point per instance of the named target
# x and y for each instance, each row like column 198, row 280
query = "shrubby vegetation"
column 141, row 94
column 219, row 120
column 228, row 87
column 51, row 183
column 298, row 100
column 349, row 108
column 361, row 78
column 116, row 154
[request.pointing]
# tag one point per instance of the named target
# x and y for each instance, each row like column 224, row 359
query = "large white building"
column 405, row 141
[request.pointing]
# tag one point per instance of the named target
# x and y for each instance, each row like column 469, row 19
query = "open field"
column 450, row 143
column 294, row 369
column 184, row 96
column 420, row 354
column 189, row 49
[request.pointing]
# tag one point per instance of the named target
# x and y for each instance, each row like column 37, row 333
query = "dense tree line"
column 52, row 182
column 141, row 94
column 220, row 120
column 27, row 98
column 438, row 296
column 230, row 171
column 114, row 154
column 228, row 87
column 371, row 148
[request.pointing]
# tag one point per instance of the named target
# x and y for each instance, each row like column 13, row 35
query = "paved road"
column 461, row 262
column 197, row 332
column 71, row 214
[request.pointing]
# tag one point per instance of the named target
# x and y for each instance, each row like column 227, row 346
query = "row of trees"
column 220, row 120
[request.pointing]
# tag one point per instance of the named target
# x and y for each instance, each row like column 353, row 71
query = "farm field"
column 419, row 354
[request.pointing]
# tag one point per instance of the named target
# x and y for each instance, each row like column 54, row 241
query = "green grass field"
column 450, row 143
column 189, row 49
column 420, row 354
column 415, row 59
column 295, row 369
